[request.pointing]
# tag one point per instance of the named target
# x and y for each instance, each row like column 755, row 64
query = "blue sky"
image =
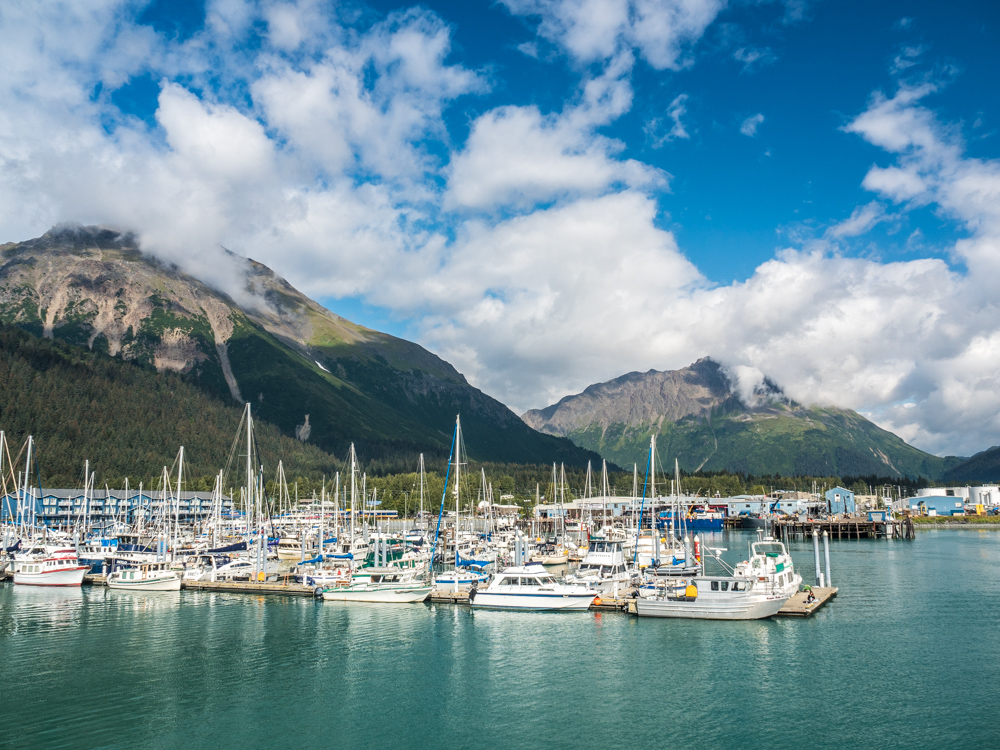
column 549, row 193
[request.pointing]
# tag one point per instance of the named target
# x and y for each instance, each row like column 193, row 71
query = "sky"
column 552, row 193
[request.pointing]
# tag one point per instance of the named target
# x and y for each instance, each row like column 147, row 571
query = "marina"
column 294, row 667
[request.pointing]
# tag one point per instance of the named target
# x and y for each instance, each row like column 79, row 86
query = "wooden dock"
column 799, row 606
column 849, row 527
column 250, row 587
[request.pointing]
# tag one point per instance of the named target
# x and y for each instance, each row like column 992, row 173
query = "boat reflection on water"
column 42, row 607
column 142, row 601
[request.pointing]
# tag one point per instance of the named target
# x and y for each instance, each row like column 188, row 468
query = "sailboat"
column 379, row 585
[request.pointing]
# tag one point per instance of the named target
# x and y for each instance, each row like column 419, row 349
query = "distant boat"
column 59, row 567
column 289, row 548
column 155, row 576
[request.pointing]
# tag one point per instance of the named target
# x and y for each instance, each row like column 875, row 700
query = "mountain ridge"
column 298, row 362
column 700, row 418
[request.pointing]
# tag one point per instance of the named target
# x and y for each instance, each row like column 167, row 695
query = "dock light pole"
column 819, row 570
column 826, row 551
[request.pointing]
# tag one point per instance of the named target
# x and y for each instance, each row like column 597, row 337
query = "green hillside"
column 785, row 441
column 982, row 468
column 279, row 350
column 126, row 419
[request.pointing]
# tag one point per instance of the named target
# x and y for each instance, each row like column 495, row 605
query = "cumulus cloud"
column 531, row 254
column 749, row 125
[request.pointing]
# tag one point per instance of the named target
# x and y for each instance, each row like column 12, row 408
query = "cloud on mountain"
column 531, row 253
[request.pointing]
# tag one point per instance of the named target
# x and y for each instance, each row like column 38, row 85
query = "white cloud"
column 862, row 219
column 531, row 254
column 749, row 125
column 590, row 30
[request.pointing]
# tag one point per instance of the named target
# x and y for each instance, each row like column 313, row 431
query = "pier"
column 797, row 606
column 851, row 527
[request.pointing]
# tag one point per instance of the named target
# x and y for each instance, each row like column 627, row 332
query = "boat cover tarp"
column 238, row 547
column 321, row 558
column 466, row 563
column 15, row 547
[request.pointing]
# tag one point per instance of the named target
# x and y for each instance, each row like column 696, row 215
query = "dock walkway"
column 844, row 528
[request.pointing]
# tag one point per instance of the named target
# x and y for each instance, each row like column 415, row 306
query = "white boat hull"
column 562, row 602
column 551, row 559
column 153, row 584
column 711, row 608
column 381, row 595
column 66, row 577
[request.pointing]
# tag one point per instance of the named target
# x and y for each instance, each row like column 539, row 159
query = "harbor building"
column 101, row 508
column 987, row 495
column 840, row 501
column 937, row 505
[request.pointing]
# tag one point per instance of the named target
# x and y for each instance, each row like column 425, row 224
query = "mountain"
column 982, row 468
column 305, row 369
column 701, row 420
column 126, row 419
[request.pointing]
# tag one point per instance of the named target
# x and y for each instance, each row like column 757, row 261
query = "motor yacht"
column 531, row 587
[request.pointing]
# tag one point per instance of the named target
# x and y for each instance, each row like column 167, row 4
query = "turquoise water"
column 908, row 655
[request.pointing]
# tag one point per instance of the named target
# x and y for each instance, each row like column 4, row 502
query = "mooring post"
column 826, row 551
column 819, row 571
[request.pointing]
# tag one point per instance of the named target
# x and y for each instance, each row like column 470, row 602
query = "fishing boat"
column 604, row 567
column 58, row 567
column 711, row 598
column 770, row 562
column 532, row 587
column 155, row 576
column 388, row 587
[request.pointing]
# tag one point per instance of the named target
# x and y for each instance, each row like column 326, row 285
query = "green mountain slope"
column 306, row 370
column 702, row 422
column 982, row 468
column 126, row 419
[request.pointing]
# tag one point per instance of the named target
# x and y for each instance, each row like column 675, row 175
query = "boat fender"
column 597, row 601
column 318, row 592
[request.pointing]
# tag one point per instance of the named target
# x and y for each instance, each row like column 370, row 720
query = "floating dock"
column 799, row 606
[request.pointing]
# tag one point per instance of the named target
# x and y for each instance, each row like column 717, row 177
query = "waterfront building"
column 62, row 507
column 937, row 505
column 840, row 501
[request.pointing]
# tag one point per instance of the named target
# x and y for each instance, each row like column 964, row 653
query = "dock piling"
column 819, row 570
column 826, row 550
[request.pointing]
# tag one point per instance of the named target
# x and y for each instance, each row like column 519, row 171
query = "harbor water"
column 907, row 655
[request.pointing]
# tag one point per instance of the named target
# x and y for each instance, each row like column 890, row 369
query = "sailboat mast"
column 458, row 455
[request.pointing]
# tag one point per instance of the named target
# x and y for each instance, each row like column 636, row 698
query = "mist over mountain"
column 708, row 420
column 310, row 372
